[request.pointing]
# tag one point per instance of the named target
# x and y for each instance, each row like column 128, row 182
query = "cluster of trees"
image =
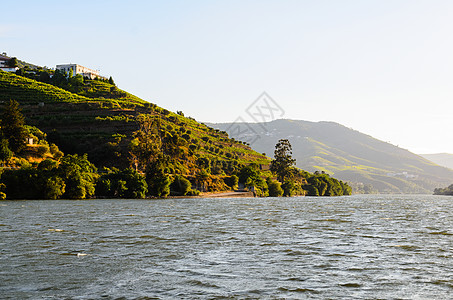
column 13, row 62
column 252, row 178
column 14, row 132
column 290, row 180
column 69, row 81
column 72, row 178
column 448, row 191
column 75, row 177
column 156, row 153
column 57, row 78
column 321, row 184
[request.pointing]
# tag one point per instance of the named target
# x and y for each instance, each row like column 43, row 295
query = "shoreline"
column 229, row 194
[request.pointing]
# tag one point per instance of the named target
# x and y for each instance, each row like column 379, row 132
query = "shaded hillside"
column 347, row 154
column 101, row 120
column 442, row 159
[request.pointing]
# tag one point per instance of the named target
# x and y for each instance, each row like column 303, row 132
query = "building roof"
column 67, row 65
column 2, row 57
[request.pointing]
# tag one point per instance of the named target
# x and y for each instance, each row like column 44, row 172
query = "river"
column 357, row 247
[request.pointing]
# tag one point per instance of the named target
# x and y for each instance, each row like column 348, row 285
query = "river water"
column 357, row 247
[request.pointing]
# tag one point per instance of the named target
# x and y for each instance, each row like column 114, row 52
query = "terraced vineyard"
column 29, row 91
column 101, row 120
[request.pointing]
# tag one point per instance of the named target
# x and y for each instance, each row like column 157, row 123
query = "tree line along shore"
column 41, row 171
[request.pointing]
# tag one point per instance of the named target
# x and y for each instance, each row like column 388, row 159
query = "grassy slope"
column 350, row 155
column 101, row 123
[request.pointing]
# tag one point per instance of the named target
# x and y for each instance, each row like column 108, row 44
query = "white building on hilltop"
column 4, row 64
column 78, row 69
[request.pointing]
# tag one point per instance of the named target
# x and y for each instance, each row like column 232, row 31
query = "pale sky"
column 382, row 67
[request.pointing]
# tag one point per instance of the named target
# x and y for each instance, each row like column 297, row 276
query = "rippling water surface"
column 369, row 247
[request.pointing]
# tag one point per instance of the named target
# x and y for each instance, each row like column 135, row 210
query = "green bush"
column 288, row 188
column 158, row 181
column 42, row 150
column 5, row 152
column 54, row 188
column 80, row 176
column 232, row 181
column 275, row 189
column 159, row 185
column 127, row 183
column 180, row 186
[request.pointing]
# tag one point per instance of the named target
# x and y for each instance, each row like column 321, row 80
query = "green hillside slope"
column 101, row 120
column 348, row 155
column 32, row 92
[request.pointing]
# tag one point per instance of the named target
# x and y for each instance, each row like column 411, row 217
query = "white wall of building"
column 78, row 69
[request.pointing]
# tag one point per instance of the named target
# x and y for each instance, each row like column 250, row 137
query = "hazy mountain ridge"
column 442, row 159
column 348, row 155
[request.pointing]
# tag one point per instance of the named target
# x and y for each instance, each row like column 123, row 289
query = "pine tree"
column 283, row 161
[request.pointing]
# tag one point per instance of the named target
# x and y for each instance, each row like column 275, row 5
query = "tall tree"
column 12, row 126
column 283, row 161
column 147, row 143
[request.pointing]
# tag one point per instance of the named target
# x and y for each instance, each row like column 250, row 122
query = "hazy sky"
column 382, row 67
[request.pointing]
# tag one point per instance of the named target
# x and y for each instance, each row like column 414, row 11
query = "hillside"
column 348, row 155
column 442, row 159
column 103, row 121
column 118, row 145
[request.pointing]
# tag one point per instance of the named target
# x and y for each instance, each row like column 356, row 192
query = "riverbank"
column 231, row 194
column 228, row 194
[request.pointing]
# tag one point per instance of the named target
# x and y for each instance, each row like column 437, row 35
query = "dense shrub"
column 180, row 186
column 158, row 181
column 79, row 175
column 5, row 152
column 275, row 189
column 232, row 181
column 127, row 183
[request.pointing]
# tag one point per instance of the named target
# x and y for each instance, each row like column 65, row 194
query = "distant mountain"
column 346, row 154
column 442, row 159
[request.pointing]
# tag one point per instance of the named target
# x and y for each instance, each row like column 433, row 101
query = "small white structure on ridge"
column 78, row 69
